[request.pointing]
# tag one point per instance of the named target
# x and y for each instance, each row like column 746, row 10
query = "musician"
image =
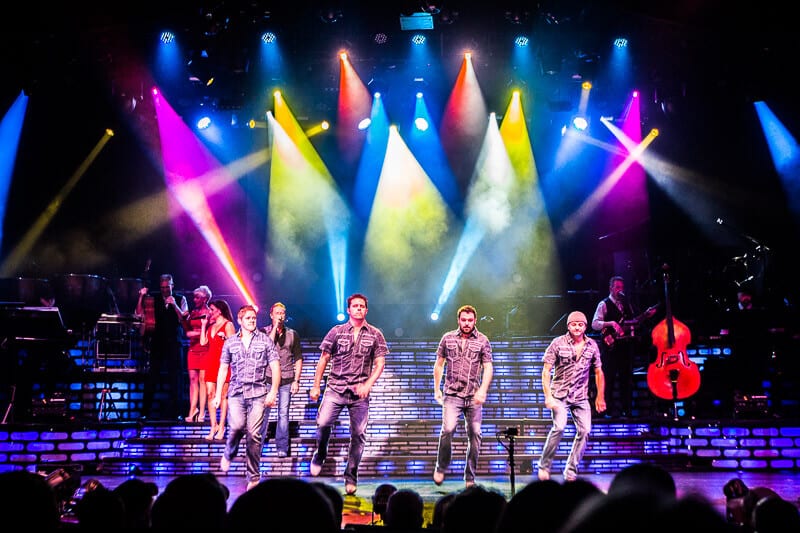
column 616, row 321
column 166, row 347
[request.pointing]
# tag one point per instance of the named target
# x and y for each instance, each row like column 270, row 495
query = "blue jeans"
column 473, row 415
column 246, row 419
column 329, row 410
column 582, row 416
column 282, row 425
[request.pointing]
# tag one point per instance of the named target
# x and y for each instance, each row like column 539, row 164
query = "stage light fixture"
column 331, row 15
column 580, row 123
column 380, row 38
column 517, row 17
column 167, row 37
column 268, row 37
column 416, row 22
column 421, row 124
column 418, row 39
column 521, row 41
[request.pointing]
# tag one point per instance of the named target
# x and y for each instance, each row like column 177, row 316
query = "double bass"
column 672, row 376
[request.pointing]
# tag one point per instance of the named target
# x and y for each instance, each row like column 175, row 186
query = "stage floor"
column 358, row 508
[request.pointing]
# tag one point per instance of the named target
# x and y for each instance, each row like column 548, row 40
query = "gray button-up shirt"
column 249, row 365
column 570, row 381
column 464, row 359
column 351, row 359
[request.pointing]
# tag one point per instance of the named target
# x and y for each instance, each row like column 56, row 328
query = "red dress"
column 196, row 354
column 214, row 352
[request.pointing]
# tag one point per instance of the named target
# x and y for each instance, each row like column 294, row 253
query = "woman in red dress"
column 215, row 329
column 196, row 354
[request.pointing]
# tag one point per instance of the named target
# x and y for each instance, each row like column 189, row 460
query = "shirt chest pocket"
column 258, row 347
column 367, row 342
column 343, row 344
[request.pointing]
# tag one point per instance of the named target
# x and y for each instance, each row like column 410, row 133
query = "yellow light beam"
column 30, row 238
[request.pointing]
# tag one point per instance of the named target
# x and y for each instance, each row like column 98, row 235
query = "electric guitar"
column 609, row 334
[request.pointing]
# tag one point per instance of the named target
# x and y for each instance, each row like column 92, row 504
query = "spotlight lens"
column 580, row 123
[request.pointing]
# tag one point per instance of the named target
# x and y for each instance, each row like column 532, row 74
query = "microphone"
column 201, row 317
column 621, row 294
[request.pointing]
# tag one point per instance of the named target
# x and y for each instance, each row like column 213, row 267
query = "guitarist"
column 614, row 319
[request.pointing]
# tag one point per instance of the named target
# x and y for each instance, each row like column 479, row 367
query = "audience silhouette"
column 283, row 504
column 191, row 501
column 137, row 497
column 28, row 502
column 405, row 510
column 474, row 509
column 334, row 497
column 641, row 496
column 440, row 509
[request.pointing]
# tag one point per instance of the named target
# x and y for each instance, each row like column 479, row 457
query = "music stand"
column 107, row 404
column 31, row 327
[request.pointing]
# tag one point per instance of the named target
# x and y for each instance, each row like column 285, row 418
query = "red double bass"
column 672, row 376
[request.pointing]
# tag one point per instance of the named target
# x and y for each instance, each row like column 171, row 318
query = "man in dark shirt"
column 287, row 342
column 162, row 314
column 466, row 355
column 357, row 353
column 620, row 334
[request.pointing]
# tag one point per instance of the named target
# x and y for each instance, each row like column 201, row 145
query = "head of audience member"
column 195, row 492
column 692, row 512
column 579, row 490
column 28, row 502
column 539, row 501
column 475, row 509
column 283, row 504
column 100, row 510
column 138, row 497
column 773, row 514
column 381, row 497
column 334, row 497
column 630, row 511
column 404, row 510
column 439, row 510
column 624, row 511
column 644, row 477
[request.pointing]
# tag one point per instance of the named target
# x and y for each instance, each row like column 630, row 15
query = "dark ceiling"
column 681, row 49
